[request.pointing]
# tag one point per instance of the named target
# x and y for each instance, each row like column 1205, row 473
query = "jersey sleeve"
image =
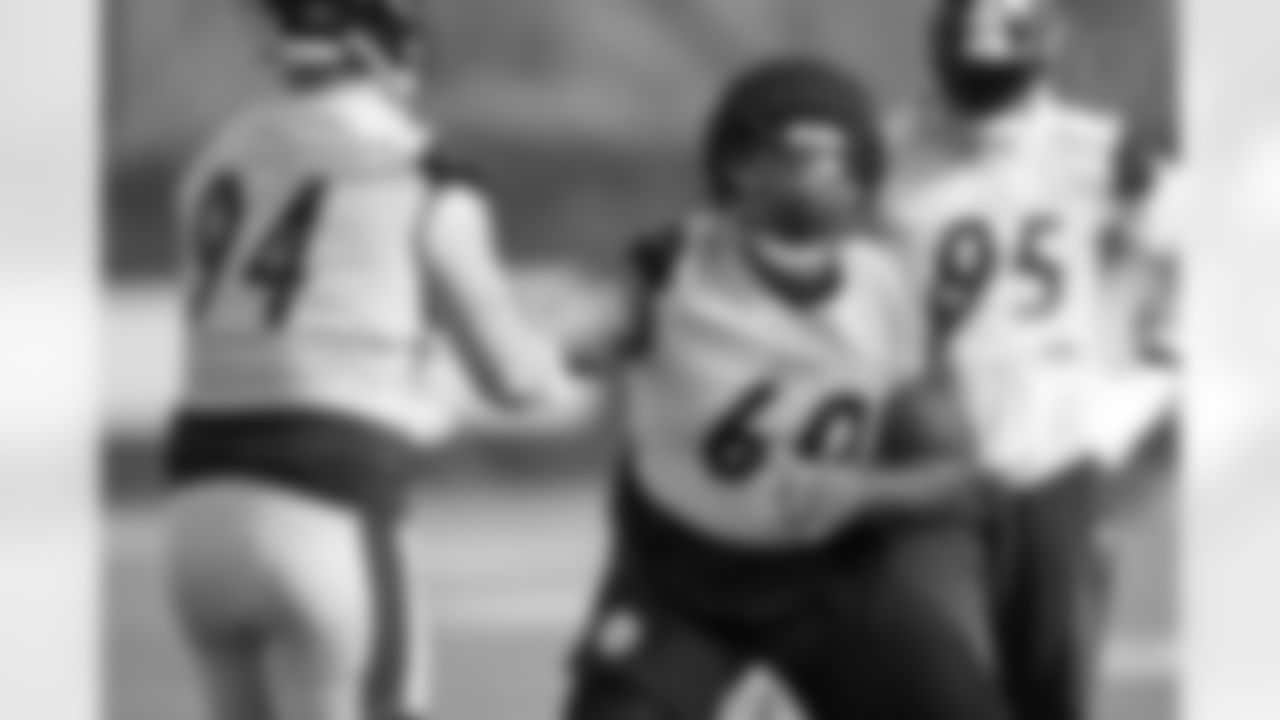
column 650, row 264
column 516, row 365
column 905, row 306
column 1136, row 163
column 1141, row 177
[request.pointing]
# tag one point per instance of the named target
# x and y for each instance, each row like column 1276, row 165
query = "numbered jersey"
column 1006, row 230
column 736, row 389
column 304, row 282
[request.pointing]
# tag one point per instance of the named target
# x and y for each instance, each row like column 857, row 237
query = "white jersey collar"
column 368, row 112
column 353, row 127
column 1027, row 124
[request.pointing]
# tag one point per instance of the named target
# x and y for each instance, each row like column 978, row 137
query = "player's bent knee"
column 605, row 697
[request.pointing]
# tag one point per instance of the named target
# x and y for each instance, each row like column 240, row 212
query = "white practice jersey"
column 315, row 247
column 737, row 388
column 1006, row 226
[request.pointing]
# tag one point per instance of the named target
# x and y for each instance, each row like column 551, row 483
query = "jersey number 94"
column 276, row 267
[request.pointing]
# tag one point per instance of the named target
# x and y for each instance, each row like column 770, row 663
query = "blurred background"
column 581, row 115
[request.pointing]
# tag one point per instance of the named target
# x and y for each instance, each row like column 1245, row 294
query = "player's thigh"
column 640, row 657
column 1053, row 596
column 230, row 666
column 947, row 564
column 878, row 650
column 1054, row 571
column 220, row 594
column 354, row 640
column 323, row 587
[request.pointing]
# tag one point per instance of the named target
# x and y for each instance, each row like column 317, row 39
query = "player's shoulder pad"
column 653, row 255
column 1137, row 163
column 651, row 260
column 1135, row 151
column 447, row 170
column 223, row 149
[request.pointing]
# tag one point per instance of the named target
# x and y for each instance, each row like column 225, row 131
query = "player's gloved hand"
column 817, row 502
column 581, row 317
column 566, row 405
column 926, row 421
column 565, row 402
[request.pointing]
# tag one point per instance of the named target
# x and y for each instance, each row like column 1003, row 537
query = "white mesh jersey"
column 303, row 262
column 736, row 387
column 1006, row 225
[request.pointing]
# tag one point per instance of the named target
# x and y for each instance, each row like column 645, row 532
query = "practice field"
column 510, row 573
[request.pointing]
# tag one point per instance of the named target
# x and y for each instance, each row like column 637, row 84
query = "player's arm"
column 926, row 454
column 628, row 330
column 1139, row 252
column 923, row 464
column 1144, row 188
column 516, row 367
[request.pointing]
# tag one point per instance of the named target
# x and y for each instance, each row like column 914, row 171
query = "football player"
column 327, row 251
column 1006, row 198
column 774, row 333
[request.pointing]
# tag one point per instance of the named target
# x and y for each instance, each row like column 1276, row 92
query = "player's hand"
column 817, row 502
column 925, row 421
column 579, row 316
column 567, row 405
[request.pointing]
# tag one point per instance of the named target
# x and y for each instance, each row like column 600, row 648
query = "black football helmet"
column 762, row 102
column 390, row 26
column 988, row 53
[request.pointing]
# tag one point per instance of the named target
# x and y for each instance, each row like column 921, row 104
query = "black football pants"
column 1050, row 595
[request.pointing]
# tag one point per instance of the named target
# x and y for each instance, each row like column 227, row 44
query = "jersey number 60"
column 736, row 448
column 277, row 267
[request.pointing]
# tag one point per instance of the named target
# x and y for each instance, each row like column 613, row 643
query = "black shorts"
column 680, row 617
column 1050, row 592
column 357, row 466
column 325, row 455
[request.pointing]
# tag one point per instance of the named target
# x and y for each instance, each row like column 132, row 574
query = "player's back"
column 300, row 227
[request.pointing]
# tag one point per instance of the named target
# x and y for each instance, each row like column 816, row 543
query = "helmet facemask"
column 794, row 151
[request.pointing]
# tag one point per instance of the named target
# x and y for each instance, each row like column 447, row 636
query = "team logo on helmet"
column 988, row 53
